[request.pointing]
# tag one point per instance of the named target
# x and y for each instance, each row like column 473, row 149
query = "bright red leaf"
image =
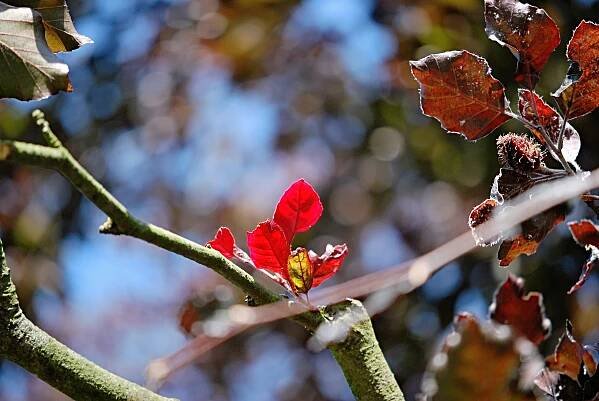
column 579, row 93
column 525, row 313
column 327, row 264
column 550, row 120
column 224, row 242
column 587, row 235
column 298, row 209
column 269, row 248
column 529, row 33
column 457, row 89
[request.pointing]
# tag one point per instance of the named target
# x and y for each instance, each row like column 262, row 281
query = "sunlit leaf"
column 300, row 271
column 269, row 249
column 457, row 89
column 224, row 242
column 60, row 31
column 298, row 209
column 550, row 120
column 529, row 33
column 579, row 93
column 29, row 68
column 327, row 264
column 525, row 313
column 476, row 363
column 586, row 234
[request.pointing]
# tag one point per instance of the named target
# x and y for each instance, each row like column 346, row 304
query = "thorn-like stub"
column 108, row 227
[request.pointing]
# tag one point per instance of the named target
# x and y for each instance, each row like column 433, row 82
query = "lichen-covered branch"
column 350, row 354
column 27, row 345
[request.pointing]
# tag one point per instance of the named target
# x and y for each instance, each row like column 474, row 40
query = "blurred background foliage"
column 198, row 113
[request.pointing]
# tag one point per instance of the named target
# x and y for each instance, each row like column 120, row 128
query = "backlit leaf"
column 549, row 119
column 525, row 313
column 269, row 249
column 327, row 264
column 579, row 93
column 457, row 89
column 60, row 31
column 529, row 33
column 298, row 209
column 300, row 271
column 29, row 68
column 224, row 242
column 587, row 235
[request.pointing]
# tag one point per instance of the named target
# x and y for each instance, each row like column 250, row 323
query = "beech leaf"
column 298, row 209
column 29, row 68
column 579, row 93
column 475, row 364
column 300, row 271
column 525, row 313
column 457, row 89
column 550, row 120
column 529, row 33
column 327, row 264
column 60, row 32
column 586, row 234
column 269, row 249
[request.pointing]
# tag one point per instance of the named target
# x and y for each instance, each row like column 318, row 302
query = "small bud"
column 519, row 152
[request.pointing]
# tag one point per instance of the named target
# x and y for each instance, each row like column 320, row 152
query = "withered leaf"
column 529, row 33
column 550, row 120
column 525, row 313
column 579, row 93
column 457, row 89
column 456, row 373
column 60, row 31
column 586, row 234
column 29, row 68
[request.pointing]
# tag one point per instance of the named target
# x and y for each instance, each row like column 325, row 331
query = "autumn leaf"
column 578, row 94
column 224, row 242
column 269, row 249
column 327, row 264
column 298, row 209
column 550, row 120
column 29, row 68
column 60, row 32
column 586, row 234
column 477, row 363
column 525, row 313
column 529, row 33
column 457, row 89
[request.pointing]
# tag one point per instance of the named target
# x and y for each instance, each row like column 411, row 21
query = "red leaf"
column 549, row 119
column 457, row 89
column 579, row 91
column 569, row 356
column 327, row 264
column 298, row 209
column 529, row 33
column 523, row 312
column 269, row 248
column 224, row 242
column 533, row 232
column 587, row 235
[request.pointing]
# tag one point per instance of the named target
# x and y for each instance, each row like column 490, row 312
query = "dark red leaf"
column 327, row 264
column 533, row 232
column 224, row 242
column 457, row 89
column 529, row 33
column 298, row 209
column 269, row 249
column 587, row 235
column 525, row 313
column 570, row 356
column 592, row 201
column 579, row 93
column 550, row 120
column 477, row 364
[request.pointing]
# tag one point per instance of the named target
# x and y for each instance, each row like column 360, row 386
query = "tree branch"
column 27, row 345
column 349, row 353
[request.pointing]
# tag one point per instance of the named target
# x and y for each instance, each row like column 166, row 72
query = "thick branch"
column 27, row 345
column 350, row 354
